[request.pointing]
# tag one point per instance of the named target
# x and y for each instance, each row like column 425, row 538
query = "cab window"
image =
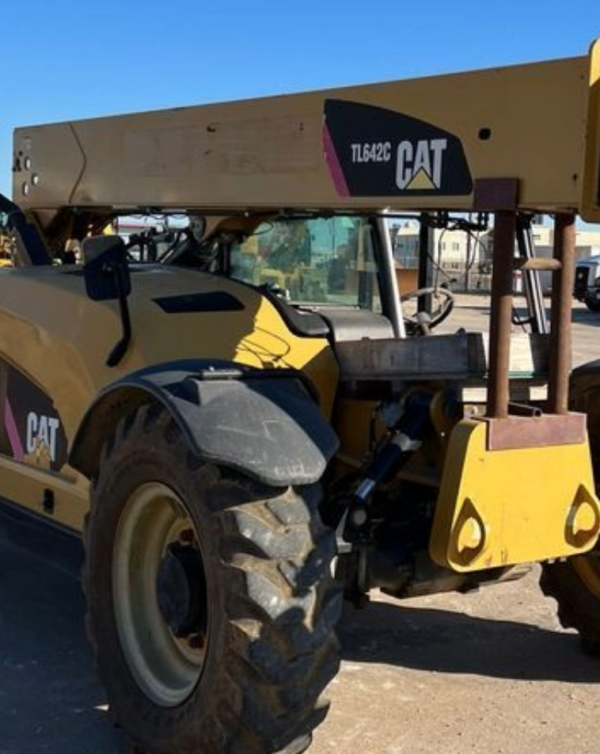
column 312, row 261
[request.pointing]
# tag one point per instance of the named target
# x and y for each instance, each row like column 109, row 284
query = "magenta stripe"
column 334, row 164
column 13, row 433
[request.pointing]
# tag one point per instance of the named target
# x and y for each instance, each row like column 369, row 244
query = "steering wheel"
column 421, row 323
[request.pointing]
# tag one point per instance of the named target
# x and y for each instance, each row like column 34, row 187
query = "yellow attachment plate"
column 505, row 506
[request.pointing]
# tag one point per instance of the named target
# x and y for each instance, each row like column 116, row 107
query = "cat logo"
column 41, row 435
column 419, row 165
column 372, row 151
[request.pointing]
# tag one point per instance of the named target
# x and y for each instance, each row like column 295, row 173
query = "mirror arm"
column 120, row 348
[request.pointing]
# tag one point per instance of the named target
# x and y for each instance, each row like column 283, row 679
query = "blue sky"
column 70, row 59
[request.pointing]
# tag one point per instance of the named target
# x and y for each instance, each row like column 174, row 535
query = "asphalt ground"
column 486, row 671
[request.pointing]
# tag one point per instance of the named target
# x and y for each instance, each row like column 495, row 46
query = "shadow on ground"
column 450, row 642
column 51, row 702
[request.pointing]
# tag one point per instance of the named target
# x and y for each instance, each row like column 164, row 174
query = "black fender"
column 264, row 423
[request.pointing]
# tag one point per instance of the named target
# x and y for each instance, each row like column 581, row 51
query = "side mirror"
column 105, row 268
column 106, row 275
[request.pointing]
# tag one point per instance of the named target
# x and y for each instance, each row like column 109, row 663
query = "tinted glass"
column 320, row 261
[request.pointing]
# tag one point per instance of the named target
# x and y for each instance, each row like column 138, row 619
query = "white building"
column 464, row 258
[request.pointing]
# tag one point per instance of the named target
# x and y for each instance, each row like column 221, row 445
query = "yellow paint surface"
column 503, row 507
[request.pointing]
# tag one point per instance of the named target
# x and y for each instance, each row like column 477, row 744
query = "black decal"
column 372, row 151
column 30, row 427
column 216, row 301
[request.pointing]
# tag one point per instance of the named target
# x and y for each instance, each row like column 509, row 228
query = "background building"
column 464, row 259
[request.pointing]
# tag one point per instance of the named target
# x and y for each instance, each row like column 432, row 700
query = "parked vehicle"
column 240, row 417
column 587, row 282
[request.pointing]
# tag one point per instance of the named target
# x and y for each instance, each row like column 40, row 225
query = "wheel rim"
column 166, row 660
column 588, row 570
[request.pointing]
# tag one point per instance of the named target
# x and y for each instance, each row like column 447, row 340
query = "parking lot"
column 487, row 671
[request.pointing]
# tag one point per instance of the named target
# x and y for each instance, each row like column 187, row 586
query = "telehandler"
column 240, row 416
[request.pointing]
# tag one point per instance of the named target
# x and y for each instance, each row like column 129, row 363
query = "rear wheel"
column 211, row 607
column 575, row 585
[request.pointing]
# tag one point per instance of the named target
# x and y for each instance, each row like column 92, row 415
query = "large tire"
column 592, row 303
column 575, row 585
column 211, row 607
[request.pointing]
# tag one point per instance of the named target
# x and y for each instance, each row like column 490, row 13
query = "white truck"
column 587, row 282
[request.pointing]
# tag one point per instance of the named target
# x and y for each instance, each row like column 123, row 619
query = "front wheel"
column 211, row 607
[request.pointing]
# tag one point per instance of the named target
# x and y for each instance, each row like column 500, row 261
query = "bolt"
column 358, row 517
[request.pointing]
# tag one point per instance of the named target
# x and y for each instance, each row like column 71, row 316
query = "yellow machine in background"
column 227, row 404
column 5, row 255
column 6, row 248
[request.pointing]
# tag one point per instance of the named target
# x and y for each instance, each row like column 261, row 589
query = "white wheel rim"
column 165, row 667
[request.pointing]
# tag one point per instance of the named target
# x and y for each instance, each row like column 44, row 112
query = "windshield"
column 318, row 261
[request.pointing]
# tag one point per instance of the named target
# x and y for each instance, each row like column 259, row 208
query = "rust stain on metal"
column 538, row 263
column 496, row 194
column 501, row 313
column 514, row 432
column 562, row 302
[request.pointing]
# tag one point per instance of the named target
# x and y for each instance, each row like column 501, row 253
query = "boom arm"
column 407, row 145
